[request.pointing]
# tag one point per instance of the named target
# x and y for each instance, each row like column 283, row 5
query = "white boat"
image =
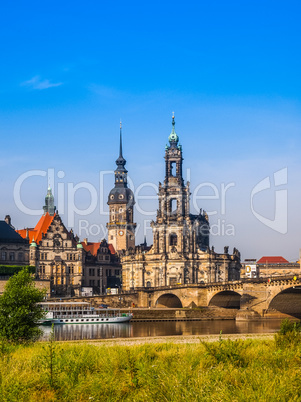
column 81, row 313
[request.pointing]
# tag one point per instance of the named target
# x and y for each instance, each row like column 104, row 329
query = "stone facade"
column 102, row 268
column 59, row 258
column 180, row 253
column 14, row 250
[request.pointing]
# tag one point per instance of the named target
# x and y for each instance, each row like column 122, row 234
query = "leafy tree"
column 19, row 308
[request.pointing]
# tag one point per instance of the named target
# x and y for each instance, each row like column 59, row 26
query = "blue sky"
column 229, row 70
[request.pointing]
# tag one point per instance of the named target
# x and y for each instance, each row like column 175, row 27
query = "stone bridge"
column 264, row 297
column 275, row 297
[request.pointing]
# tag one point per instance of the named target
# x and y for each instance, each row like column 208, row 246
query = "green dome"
column 79, row 245
column 33, row 244
column 173, row 137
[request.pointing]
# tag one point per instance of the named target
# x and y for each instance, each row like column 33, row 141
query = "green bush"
column 226, row 351
column 9, row 270
column 20, row 311
column 289, row 334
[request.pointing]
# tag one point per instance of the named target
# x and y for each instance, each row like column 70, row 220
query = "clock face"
column 121, row 232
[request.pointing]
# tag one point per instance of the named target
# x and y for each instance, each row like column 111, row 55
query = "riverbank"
column 176, row 340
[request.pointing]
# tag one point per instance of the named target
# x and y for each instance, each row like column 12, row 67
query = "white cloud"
column 37, row 83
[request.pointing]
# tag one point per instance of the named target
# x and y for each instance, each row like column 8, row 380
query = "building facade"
column 55, row 252
column 71, row 266
column 101, row 268
column 271, row 266
column 14, row 250
column 180, row 253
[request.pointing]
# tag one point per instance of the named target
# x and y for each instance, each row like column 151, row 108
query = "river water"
column 163, row 328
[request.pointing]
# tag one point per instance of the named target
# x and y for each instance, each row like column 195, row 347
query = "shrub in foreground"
column 19, row 309
column 289, row 334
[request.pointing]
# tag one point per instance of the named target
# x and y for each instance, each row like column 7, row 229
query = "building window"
column 20, row 257
column 148, row 284
column 107, row 257
column 12, row 256
column 173, row 169
column 3, row 255
column 108, row 272
column 98, row 272
column 116, row 272
column 173, row 239
column 173, row 206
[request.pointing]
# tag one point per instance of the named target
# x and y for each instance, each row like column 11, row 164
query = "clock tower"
column 121, row 229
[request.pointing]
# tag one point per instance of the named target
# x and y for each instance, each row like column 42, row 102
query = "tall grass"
column 249, row 370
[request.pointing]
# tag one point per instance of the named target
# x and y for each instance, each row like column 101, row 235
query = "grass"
column 250, row 370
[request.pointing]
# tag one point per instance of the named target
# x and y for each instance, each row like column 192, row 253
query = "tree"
column 20, row 311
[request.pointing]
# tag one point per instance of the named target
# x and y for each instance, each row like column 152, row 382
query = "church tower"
column 175, row 229
column 180, row 253
column 121, row 229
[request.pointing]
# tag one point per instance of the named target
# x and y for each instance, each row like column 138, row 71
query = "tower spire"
column 120, row 145
column 120, row 162
column 49, row 203
column 173, row 137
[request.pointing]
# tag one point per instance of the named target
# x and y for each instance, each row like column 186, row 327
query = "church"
column 180, row 253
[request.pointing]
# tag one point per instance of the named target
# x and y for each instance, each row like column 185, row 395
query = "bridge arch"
column 288, row 301
column 169, row 300
column 226, row 299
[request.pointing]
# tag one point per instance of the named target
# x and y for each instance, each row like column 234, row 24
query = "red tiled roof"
column 272, row 260
column 40, row 228
column 92, row 247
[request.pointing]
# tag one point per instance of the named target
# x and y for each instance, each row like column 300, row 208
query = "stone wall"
column 38, row 284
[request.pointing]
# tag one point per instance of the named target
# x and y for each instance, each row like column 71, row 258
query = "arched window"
column 148, row 284
column 173, row 241
column 173, row 206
